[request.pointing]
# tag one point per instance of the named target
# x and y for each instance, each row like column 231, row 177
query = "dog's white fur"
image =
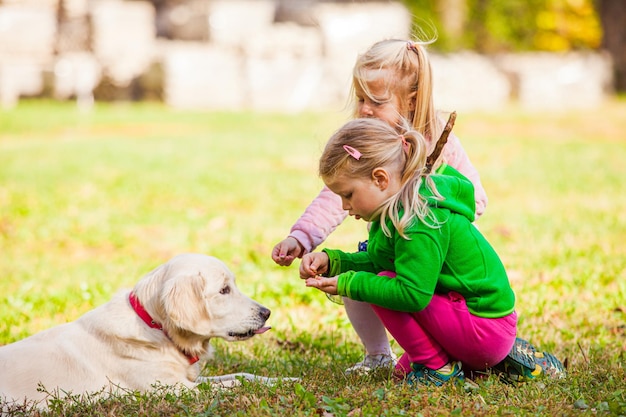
column 192, row 296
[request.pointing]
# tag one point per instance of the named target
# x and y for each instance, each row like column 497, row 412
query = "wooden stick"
column 443, row 139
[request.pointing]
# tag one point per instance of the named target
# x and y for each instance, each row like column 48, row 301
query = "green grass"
column 91, row 202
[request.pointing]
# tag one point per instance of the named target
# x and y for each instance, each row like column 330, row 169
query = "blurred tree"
column 563, row 25
column 511, row 25
column 491, row 26
column 613, row 17
column 502, row 25
column 431, row 17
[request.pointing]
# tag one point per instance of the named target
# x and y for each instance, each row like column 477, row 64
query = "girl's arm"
column 319, row 220
column 456, row 157
column 417, row 263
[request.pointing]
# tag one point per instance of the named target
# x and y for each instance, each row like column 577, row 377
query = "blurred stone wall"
column 267, row 55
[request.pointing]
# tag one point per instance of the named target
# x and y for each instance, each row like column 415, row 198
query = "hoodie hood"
column 457, row 192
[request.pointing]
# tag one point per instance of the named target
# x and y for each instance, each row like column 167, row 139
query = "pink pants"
column 445, row 330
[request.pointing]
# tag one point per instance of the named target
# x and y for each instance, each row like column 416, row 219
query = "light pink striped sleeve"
column 456, row 157
column 319, row 220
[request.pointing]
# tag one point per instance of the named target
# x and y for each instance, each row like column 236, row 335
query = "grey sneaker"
column 372, row 363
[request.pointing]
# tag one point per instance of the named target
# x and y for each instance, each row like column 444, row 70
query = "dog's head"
column 195, row 298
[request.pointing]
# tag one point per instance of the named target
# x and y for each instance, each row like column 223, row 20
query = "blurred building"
column 267, row 55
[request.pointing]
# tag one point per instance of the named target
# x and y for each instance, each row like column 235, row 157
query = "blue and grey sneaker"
column 525, row 363
column 421, row 375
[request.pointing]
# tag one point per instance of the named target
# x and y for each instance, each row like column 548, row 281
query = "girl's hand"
column 286, row 251
column 313, row 264
column 328, row 285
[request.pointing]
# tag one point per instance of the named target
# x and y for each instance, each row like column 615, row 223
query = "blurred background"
column 297, row 55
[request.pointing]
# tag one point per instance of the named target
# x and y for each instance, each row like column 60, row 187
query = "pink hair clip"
column 352, row 152
column 405, row 144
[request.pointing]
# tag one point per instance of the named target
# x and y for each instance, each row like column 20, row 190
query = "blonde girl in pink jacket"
column 391, row 80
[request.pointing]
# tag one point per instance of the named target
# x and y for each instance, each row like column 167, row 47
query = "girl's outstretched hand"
column 328, row 285
column 286, row 251
column 313, row 264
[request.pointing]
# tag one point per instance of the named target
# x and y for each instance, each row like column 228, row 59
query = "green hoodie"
column 453, row 256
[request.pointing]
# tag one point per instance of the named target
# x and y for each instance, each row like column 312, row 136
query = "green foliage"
column 511, row 25
column 427, row 24
column 91, row 202
column 498, row 25
column 567, row 24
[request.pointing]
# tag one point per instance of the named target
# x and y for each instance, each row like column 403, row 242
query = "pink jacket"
column 325, row 212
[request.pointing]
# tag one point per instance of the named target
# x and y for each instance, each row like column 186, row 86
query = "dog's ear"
column 150, row 284
column 183, row 301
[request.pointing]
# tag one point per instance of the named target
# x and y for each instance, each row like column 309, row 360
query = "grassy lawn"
column 91, row 202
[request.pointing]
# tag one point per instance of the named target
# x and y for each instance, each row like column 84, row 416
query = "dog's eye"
column 225, row 290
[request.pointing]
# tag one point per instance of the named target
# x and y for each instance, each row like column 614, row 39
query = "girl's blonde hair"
column 406, row 68
column 364, row 144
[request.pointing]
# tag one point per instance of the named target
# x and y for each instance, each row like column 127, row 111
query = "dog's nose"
column 265, row 313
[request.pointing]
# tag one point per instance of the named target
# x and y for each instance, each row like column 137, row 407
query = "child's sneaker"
column 372, row 363
column 525, row 363
column 425, row 376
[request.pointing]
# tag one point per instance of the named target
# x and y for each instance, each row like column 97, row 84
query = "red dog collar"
column 145, row 316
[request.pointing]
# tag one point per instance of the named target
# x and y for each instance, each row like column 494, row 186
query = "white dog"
column 154, row 334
